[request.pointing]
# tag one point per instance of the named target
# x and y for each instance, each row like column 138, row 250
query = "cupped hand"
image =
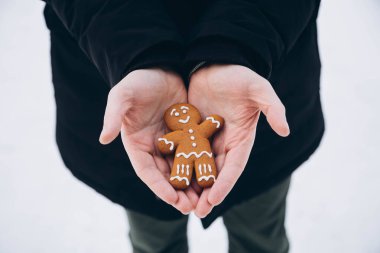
column 238, row 94
column 135, row 107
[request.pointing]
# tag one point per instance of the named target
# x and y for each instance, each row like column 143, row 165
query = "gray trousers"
column 255, row 226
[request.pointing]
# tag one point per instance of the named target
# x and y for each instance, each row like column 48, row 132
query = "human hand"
column 135, row 107
column 238, row 94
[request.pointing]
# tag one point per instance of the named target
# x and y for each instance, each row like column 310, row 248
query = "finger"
column 196, row 187
column 147, row 171
column 234, row 164
column 162, row 165
column 169, row 160
column 218, row 146
column 204, row 207
column 276, row 118
column 183, row 203
column 113, row 116
column 192, row 195
column 272, row 107
column 219, row 161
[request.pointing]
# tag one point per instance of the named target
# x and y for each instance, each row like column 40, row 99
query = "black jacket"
column 94, row 44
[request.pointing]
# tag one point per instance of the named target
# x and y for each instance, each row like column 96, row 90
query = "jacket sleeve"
column 119, row 36
column 252, row 33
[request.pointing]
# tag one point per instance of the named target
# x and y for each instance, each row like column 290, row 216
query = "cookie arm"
column 168, row 143
column 211, row 125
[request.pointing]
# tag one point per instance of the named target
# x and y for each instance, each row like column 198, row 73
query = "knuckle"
column 120, row 92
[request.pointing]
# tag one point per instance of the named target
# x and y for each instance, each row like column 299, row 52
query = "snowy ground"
column 333, row 203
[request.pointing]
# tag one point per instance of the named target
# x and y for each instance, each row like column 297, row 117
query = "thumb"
column 272, row 107
column 113, row 116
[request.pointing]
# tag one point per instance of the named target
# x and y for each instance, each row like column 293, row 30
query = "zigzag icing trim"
column 213, row 120
column 167, row 142
column 206, row 178
column 197, row 155
column 180, row 179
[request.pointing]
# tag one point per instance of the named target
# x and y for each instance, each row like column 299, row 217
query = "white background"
column 334, row 203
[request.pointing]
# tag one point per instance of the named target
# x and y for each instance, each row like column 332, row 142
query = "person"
column 130, row 60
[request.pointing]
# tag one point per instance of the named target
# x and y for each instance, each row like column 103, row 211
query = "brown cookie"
column 189, row 140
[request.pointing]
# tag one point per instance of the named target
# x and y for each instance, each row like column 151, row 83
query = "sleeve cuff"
column 166, row 55
column 220, row 50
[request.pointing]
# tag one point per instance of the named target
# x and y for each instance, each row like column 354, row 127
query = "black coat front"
column 94, row 44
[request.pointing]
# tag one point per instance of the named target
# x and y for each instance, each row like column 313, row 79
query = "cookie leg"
column 181, row 173
column 205, row 171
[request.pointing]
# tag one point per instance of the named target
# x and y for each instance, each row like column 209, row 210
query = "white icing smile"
column 184, row 121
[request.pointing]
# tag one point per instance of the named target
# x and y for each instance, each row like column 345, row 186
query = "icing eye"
column 176, row 114
column 184, row 111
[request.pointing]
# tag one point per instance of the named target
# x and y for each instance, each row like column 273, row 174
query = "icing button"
column 194, row 144
column 192, row 137
column 191, row 131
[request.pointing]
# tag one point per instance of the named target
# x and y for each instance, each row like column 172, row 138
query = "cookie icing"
column 197, row 155
column 180, row 179
column 200, row 169
column 214, row 121
column 181, row 168
column 189, row 137
column 205, row 168
column 167, row 142
column 206, row 178
column 184, row 121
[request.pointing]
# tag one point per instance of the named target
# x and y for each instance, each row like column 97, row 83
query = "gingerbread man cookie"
column 189, row 140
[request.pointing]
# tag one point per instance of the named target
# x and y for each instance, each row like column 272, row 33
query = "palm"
column 228, row 99
column 139, row 101
column 238, row 95
column 153, row 93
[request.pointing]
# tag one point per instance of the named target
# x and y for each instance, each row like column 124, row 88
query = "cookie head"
column 179, row 116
